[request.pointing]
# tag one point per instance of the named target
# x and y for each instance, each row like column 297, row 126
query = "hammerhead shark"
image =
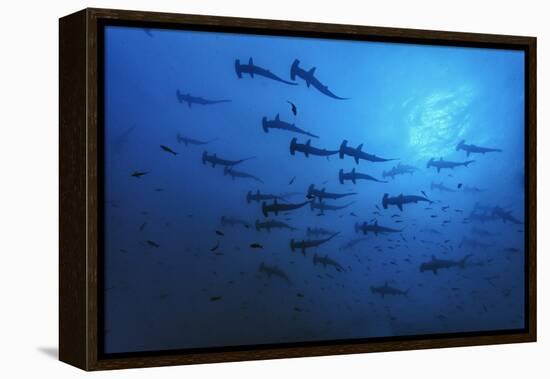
column 276, row 123
column 308, row 150
column 272, row 224
column 441, row 164
column 354, row 176
column 437, row 264
column 273, row 271
column 326, row 261
column 402, row 199
column 358, row 154
column 374, row 228
column 310, row 79
column 323, row 194
column 261, row 197
column 252, row 70
column 214, row 160
column 400, row 169
column 322, row 206
column 232, row 221
column 500, row 213
column 442, row 187
column 388, row 290
column 239, row 174
column 307, row 244
column 197, row 100
column 473, row 149
column 278, row 207
column 473, row 189
column 191, row 141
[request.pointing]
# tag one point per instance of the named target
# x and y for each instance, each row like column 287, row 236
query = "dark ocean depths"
column 190, row 263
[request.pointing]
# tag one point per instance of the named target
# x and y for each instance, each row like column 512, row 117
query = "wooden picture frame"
column 80, row 162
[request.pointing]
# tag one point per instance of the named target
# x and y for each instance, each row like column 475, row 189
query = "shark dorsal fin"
column 360, row 147
column 250, row 61
column 308, row 143
column 440, row 158
column 312, row 71
column 277, row 117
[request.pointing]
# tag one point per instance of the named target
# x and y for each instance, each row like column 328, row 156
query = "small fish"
column 219, row 233
column 424, row 193
column 292, row 180
column 215, row 298
column 159, row 189
column 300, row 294
column 142, row 226
column 256, row 246
column 153, row 243
column 353, row 214
column 433, row 216
column 293, row 107
column 215, row 247
column 139, row 174
column 168, row 150
column 459, row 185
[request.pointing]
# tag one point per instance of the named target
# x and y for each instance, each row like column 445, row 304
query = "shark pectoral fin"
column 438, row 169
column 400, row 206
column 356, row 160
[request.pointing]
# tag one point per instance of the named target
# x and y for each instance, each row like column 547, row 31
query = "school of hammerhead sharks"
column 319, row 199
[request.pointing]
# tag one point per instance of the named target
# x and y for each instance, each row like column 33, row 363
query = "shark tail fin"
column 264, row 209
column 238, row 68
column 204, row 157
column 264, row 124
column 315, row 259
column 460, row 145
column 429, row 163
column 257, row 224
column 294, row 69
column 385, row 201
column 248, row 197
column 179, row 96
column 341, row 176
column 292, row 247
column 468, row 162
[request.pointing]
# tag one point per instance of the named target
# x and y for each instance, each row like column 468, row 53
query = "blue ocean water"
column 178, row 274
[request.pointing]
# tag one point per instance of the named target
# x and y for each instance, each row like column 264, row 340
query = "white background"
column 29, row 186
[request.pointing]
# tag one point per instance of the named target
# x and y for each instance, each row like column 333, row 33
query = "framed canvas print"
column 236, row 189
